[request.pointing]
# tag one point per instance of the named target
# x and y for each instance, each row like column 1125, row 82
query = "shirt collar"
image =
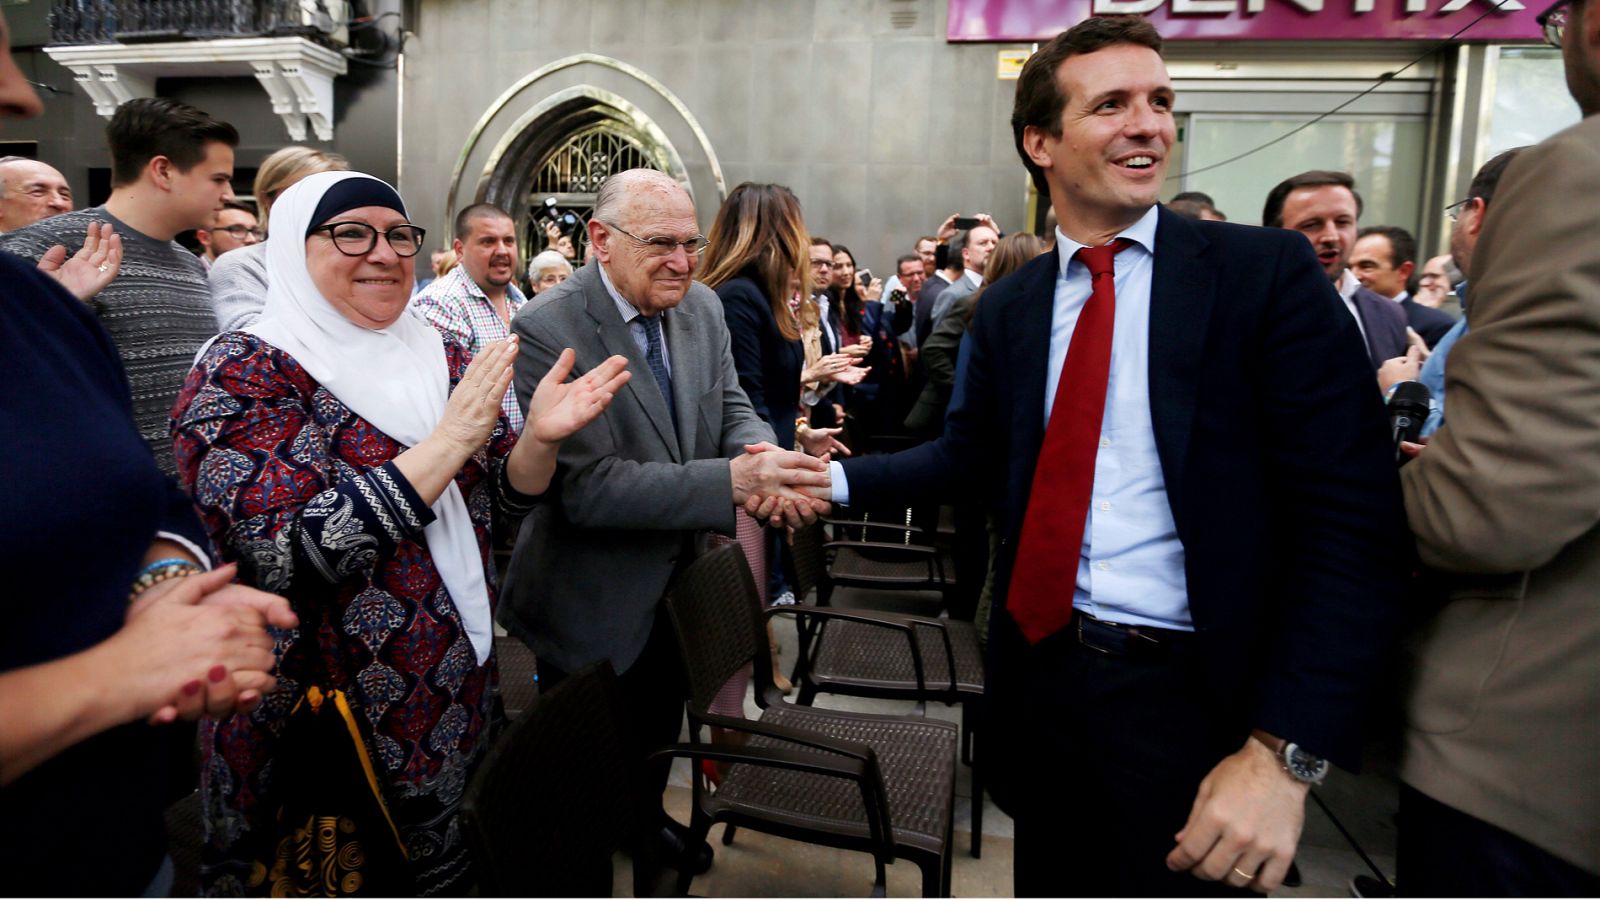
column 1348, row 285
column 974, row 278
column 514, row 298
column 1401, row 297
column 627, row 310
column 1142, row 233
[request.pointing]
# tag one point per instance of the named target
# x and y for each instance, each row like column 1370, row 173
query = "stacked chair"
column 882, row 785
column 943, row 662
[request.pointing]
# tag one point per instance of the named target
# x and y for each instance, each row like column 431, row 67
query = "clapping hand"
column 860, row 349
column 559, row 408
column 822, row 442
column 474, row 407
column 202, row 645
column 93, row 267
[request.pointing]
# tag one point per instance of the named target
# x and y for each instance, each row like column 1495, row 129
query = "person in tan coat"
column 1501, row 761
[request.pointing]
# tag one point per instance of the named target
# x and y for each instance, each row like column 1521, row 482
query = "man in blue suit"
column 1203, row 539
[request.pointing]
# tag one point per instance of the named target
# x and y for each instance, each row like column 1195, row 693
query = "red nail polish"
column 191, row 687
column 217, row 673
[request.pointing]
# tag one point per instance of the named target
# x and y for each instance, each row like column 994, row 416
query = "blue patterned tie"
column 658, row 361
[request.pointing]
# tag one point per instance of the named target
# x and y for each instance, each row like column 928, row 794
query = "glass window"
column 1531, row 102
column 1385, row 154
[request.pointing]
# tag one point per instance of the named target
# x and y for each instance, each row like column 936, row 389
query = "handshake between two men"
column 785, row 488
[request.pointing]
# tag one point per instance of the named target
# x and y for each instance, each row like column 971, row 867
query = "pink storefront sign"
column 1257, row 20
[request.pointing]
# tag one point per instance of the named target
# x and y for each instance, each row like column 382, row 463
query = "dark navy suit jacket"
column 769, row 364
column 1276, row 454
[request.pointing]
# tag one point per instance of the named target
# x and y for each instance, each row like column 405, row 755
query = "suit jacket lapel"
column 1028, row 345
column 615, row 337
column 688, row 362
column 1182, row 291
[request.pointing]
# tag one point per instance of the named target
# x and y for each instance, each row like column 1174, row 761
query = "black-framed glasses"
column 357, row 239
column 1455, row 210
column 662, row 245
column 1554, row 21
column 240, row 232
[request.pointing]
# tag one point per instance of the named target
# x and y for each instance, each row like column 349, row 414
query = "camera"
column 566, row 222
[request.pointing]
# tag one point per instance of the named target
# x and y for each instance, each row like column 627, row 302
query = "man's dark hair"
column 1272, row 212
column 239, row 205
column 147, row 127
column 1402, row 246
column 818, row 241
column 466, row 217
column 1039, row 100
column 1488, row 177
column 1188, row 207
column 908, row 258
column 1200, row 197
column 957, row 243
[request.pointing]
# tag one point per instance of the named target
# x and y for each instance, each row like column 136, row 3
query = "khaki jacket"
column 1504, row 704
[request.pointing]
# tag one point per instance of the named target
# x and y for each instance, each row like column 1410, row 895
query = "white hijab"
column 395, row 378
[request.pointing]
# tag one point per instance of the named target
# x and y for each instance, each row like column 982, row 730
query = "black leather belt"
column 1120, row 640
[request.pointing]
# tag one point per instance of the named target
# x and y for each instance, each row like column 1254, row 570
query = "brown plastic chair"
column 884, row 785
column 844, row 656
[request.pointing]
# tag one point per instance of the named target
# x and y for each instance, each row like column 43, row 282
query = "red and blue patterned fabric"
column 305, row 496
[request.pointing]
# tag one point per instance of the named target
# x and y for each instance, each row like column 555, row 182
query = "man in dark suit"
column 1383, row 259
column 1324, row 206
column 1201, row 524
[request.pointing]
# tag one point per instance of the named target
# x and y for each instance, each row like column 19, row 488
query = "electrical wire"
column 1381, row 80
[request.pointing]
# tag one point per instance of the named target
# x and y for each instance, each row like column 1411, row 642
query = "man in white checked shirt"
column 474, row 302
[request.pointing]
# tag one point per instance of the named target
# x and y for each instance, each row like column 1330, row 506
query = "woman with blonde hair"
column 239, row 285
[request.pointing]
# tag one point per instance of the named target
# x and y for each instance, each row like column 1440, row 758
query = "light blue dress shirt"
column 1131, row 565
column 1432, row 374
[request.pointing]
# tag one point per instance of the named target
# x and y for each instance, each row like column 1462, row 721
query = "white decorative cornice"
column 297, row 73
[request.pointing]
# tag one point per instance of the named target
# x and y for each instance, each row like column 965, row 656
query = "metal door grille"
column 571, row 175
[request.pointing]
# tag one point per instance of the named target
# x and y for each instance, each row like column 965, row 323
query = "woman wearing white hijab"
column 349, row 459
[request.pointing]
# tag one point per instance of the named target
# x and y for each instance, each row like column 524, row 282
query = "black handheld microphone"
column 1408, row 410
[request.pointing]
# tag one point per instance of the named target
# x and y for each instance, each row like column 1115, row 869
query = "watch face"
column 1303, row 765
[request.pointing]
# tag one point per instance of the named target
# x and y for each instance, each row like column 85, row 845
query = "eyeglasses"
column 1554, row 22
column 822, row 264
column 662, row 245
column 1455, row 210
column 239, row 232
column 357, row 239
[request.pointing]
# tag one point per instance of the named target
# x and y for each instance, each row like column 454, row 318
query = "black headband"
column 352, row 194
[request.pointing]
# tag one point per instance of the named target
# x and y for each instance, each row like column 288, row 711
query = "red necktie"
column 1046, row 571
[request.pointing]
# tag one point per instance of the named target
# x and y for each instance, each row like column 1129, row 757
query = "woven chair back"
column 716, row 612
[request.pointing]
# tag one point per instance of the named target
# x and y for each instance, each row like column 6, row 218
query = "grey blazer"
column 632, row 489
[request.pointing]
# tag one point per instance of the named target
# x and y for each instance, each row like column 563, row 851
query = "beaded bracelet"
column 160, row 571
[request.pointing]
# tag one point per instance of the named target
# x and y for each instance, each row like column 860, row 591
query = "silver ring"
column 104, row 267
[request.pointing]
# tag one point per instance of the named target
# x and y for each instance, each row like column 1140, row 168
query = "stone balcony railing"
column 145, row 21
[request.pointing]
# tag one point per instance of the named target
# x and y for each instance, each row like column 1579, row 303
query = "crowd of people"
column 275, row 469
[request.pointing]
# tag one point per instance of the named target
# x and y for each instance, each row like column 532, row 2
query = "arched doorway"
column 550, row 164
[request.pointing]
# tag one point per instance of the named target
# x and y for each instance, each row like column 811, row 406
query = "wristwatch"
column 1300, row 764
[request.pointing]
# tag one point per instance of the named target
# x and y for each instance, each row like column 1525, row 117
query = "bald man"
column 664, row 464
column 30, row 191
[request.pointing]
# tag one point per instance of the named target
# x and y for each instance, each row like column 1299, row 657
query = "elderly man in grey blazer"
column 669, row 460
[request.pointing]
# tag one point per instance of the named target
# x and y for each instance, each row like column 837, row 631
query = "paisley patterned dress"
column 304, row 495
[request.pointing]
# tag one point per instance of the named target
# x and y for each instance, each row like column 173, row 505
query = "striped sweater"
column 158, row 311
